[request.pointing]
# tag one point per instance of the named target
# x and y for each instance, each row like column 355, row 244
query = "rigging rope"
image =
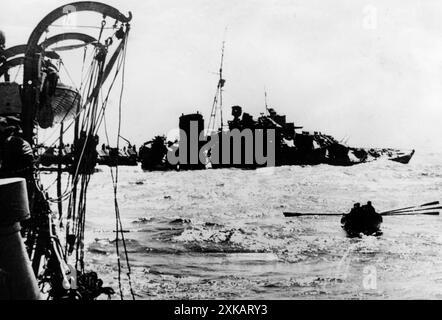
column 90, row 122
column 114, row 176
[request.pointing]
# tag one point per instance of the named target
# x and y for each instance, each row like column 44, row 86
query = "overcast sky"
column 367, row 70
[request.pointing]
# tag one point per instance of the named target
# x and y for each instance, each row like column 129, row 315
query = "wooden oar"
column 406, row 213
column 430, row 213
column 406, row 208
column 414, row 210
column 299, row 214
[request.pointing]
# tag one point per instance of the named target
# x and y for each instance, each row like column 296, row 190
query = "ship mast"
column 265, row 101
column 218, row 99
column 221, row 85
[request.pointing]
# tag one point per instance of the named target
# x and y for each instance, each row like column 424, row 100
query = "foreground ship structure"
column 39, row 262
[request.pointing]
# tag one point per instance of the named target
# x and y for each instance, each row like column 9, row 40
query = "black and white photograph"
column 196, row 150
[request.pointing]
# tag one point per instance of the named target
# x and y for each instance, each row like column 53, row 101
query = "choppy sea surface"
column 221, row 234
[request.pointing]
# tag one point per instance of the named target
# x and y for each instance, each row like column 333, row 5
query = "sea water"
column 221, row 234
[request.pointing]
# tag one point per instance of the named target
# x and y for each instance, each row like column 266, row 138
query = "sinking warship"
column 291, row 145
